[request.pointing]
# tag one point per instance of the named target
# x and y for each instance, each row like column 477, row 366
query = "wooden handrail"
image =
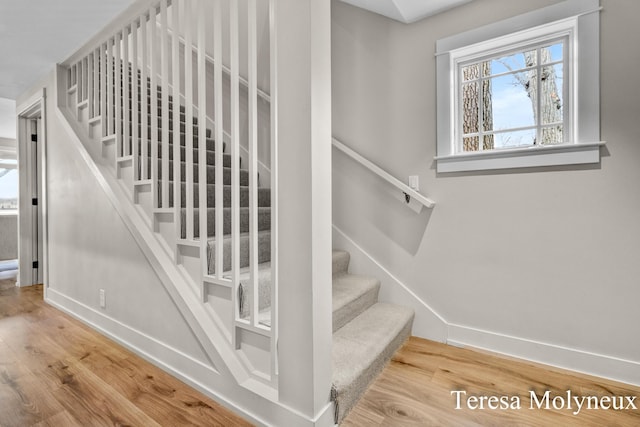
column 408, row 191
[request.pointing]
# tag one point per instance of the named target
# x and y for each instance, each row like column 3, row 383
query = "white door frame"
column 32, row 172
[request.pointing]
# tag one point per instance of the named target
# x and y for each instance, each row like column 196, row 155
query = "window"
column 523, row 98
column 8, row 187
column 513, row 99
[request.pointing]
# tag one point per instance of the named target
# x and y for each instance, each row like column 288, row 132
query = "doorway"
column 32, row 194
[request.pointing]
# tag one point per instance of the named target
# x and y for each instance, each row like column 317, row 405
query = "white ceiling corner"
column 37, row 34
column 406, row 11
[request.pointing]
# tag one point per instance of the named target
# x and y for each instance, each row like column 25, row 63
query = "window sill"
column 8, row 213
column 553, row 155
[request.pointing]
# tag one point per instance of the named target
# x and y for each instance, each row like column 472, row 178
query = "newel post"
column 302, row 82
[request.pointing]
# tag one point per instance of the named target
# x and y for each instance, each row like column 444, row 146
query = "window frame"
column 578, row 21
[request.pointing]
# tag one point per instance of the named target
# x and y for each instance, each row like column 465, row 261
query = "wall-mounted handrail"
column 408, row 191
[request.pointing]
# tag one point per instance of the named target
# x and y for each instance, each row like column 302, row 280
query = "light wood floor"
column 55, row 371
column 415, row 390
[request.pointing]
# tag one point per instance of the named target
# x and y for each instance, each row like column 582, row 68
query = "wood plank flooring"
column 55, row 371
column 415, row 390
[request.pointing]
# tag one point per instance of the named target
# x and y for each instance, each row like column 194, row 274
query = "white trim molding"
column 540, row 155
column 611, row 367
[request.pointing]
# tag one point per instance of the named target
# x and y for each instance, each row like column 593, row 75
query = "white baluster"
column 188, row 146
column 202, row 136
column 164, row 61
column 153, row 60
column 219, row 135
column 175, row 54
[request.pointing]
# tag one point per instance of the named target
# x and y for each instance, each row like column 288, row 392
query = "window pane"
column 470, row 72
column 552, row 135
column 470, row 108
column 515, row 139
column 551, row 94
column 513, row 62
column 471, row 144
column 488, row 142
column 8, row 189
column 511, row 102
column 551, row 53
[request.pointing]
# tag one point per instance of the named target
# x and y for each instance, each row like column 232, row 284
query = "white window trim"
column 577, row 16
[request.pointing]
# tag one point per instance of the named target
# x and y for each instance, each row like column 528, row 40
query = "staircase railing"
column 132, row 82
column 409, row 192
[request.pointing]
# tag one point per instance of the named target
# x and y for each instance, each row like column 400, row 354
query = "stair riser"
column 171, row 127
column 264, row 221
column 264, row 293
column 210, row 154
column 182, row 117
column 264, row 196
column 196, row 132
column 244, row 175
column 158, row 106
column 264, row 251
column 340, row 262
column 211, row 144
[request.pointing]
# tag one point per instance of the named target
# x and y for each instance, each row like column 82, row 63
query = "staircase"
column 263, row 205
column 124, row 113
column 366, row 333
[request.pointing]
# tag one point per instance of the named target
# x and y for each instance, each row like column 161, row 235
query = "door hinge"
column 34, row 264
column 34, row 137
column 34, row 202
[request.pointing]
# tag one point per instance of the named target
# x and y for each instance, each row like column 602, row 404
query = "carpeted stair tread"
column 352, row 294
column 361, row 349
column 340, row 261
column 264, row 221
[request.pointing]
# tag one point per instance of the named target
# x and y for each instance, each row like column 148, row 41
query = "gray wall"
column 8, row 237
column 528, row 262
column 90, row 248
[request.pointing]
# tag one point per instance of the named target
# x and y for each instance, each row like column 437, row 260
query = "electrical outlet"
column 103, row 299
column 414, row 182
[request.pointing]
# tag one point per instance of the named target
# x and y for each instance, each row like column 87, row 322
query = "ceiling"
column 406, row 11
column 36, row 34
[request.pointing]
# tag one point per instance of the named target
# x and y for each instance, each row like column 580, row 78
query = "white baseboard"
column 431, row 325
column 186, row 368
column 600, row 365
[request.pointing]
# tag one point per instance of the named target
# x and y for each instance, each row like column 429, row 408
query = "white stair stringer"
column 205, row 324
